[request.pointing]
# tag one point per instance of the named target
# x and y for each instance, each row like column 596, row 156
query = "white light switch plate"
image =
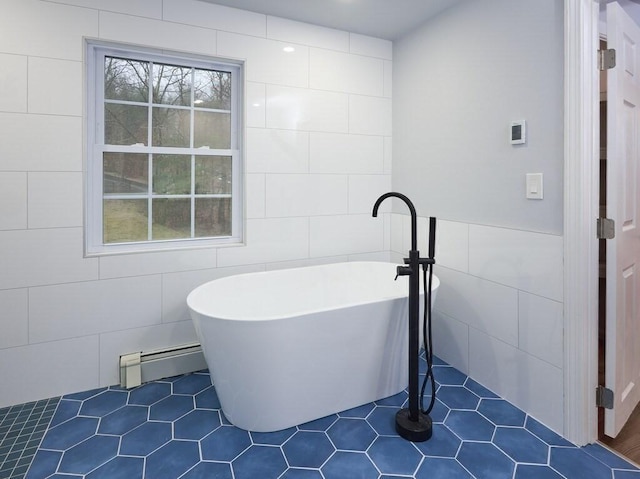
column 534, row 186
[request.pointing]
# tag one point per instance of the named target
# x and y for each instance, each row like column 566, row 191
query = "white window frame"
column 94, row 128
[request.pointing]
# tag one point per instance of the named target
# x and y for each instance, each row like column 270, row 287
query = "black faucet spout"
column 412, row 210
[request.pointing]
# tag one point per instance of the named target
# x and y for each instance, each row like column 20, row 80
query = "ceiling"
column 388, row 19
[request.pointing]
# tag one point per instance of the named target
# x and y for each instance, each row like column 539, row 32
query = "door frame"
column 581, row 186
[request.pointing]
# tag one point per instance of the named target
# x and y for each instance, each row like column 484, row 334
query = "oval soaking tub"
column 289, row 346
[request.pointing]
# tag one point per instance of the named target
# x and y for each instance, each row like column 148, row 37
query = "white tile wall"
column 256, row 100
column 48, row 369
column 528, row 261
column 269, row 240
column 277, row 151
column 358, row 74
column 217, row 17
column 530, row 383
column 343, row 153
column 266, row 61
column 140, row 8
column 55, row 199
column 13, row 201
column 296, row 32
column 452, row 245
column 388, row 155
column 301, row 263
column 255, row 197
column 388, row 78
column 156, row 33
column 13, row 83
column 348, row 234
column 309, row 110
column 177, row 286
column 364, row 190
column 541, row 329
column 40, row 142
column 486, row 306
column 117, row 266
column 81, row 313
column 44, row 256
column 450, row 339
column 306, row 195
column 35, row 28
column 369, row 115
column 370, row 46
column 14, row 320
column 91, row 307
column 55, row 86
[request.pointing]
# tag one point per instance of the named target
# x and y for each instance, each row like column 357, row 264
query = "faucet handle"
column 402, row 271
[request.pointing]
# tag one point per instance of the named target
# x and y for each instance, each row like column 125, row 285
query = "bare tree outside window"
column 149, row 192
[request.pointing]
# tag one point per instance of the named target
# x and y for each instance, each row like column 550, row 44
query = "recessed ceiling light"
column 288, row 49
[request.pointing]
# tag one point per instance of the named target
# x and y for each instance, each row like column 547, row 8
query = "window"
column 163, row 151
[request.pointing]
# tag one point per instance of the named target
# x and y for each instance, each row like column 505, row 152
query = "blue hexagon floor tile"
column 175, row 429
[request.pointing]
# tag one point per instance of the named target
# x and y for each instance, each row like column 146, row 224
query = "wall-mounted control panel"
column 534, row 186
column 518, row 132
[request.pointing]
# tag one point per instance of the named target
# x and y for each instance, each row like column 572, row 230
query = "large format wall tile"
column 269, row 240
column 218, row 17
column 91, row 307
column 528, row 382
column 55, row 199
column 349, row 234
column 27, row 260
column 48, row 369
column 287, row 30
column 154, row 262
column 369, row 115
column 306, row 195
column 277, row 151
column 40, row 142
column 358, row 74
column 156, row 33
column 55, row 87
column 346, row 154
column 370, row 46
column 14, row 321
column 45, row 29
column 13, row 201
column 484, row 305
column 13, row 83
column 309, row 110
column 528, row 261
column 266, row 60
column 541, row 331
column 139, row 8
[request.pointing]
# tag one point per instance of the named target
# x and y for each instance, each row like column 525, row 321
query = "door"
column 622, row 361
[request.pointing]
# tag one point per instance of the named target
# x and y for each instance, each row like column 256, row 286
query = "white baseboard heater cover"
column 142, row 367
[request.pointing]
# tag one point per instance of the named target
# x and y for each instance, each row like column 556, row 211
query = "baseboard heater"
column 142, row 367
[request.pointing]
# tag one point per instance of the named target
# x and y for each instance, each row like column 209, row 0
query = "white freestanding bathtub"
column 289, row 346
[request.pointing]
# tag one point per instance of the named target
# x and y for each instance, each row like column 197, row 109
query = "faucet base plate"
column 411, row 430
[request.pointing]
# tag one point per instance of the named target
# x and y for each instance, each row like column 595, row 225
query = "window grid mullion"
column 150, row 197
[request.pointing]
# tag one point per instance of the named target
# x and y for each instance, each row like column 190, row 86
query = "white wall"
column 318, row 124
column 458, row 82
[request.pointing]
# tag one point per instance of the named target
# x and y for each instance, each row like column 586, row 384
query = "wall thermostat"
column 518, row 132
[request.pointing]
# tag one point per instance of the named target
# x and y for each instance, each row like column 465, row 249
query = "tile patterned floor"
column 174, row 428
column 21, row 430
